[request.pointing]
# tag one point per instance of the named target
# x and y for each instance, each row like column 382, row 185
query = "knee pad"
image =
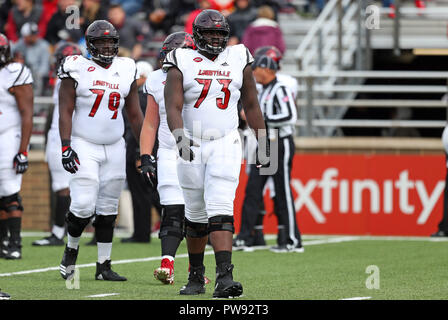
column 108, row 196
column 76, row 225
column 221, row 223
column 195, row 230
column 102, row 221
column 12, row 203
column 172, row 221
column 104, row 227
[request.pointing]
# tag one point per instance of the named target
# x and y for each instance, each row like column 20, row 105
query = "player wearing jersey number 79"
column 94, row 92
column 202, row 91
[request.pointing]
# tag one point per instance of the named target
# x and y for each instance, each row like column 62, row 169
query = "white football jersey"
column 155, row 85
column 211, row 89
column 12, row 75
column 100, row 94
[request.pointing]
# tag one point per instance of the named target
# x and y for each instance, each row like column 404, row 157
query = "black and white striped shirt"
column 278, row 107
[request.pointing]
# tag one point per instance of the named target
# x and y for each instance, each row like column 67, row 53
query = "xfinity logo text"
column 343, row 195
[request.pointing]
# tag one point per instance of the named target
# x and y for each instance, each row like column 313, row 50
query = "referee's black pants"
column 283, row 201
column 443, row 225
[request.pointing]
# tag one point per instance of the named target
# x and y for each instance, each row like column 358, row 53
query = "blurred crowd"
column 35, row 26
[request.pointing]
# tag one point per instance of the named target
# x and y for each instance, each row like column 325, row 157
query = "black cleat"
column 92, row 242
column 258, row 238
column 134, row 240
column 3, row 248
column 4, row 296
column 51, row 240
column 68, row 260
column 439, row 234
column 196, row 282
column 14, row 250
column 104, row 272
column 225, row 287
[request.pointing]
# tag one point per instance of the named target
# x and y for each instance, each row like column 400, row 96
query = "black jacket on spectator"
column 56, row 24
column 240, row 19
column 132, row 32
column 171, row 7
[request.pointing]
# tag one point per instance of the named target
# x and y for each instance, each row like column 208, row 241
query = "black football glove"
column 264, row 162
column 20, row 162
column 70, row 159
column 184, row 145
column 149, row 169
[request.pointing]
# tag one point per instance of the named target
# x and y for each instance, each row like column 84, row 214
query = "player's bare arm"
column 251, row 106
column 150, row 126
column 67, row 96
column 24, row 97
column 133, row 110
column 174, row 100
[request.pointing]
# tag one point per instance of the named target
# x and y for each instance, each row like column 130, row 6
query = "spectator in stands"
column 132, row 32
column 161, row 14
column 35, row 52
column 202, row 5
column 390, row 4
column 27, row 11
column 185, row 8
column 264, row 31
column 5, row 7
column 226, row 7
column 58, row 21
column 92, row 10
column 245, row 13
column 130, row 7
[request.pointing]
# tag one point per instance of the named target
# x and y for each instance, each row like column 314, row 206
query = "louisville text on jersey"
column 218, row 73
column 105, row 84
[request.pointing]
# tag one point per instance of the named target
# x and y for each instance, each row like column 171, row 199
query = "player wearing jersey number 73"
column 202, row 91
column 94, row 92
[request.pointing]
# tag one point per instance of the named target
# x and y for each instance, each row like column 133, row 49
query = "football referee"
column 279, row 110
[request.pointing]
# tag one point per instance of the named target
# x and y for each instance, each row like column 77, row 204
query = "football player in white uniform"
column 202, row 91
column 16, row 123
column 165, row 177
column 94, row 92
column 59, row 177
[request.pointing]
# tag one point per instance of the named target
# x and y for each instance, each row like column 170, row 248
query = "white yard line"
column 357, row 298
column 102, row 295
column 328, row 240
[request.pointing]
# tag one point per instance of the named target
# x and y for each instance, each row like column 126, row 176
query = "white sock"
column 58, row 231
column 104, row 251
column 73, row 242
column 171, row 258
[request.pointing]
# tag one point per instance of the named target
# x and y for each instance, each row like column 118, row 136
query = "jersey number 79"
column 114, row 102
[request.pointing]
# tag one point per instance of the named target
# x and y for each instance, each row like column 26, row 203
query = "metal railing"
column 309, row 100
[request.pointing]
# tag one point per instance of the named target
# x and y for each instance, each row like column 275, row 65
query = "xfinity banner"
column 362, row 194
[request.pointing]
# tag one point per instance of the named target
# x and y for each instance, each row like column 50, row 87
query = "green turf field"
column 330, row 268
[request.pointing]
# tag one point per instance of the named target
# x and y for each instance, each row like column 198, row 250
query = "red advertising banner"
column 361, row 194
